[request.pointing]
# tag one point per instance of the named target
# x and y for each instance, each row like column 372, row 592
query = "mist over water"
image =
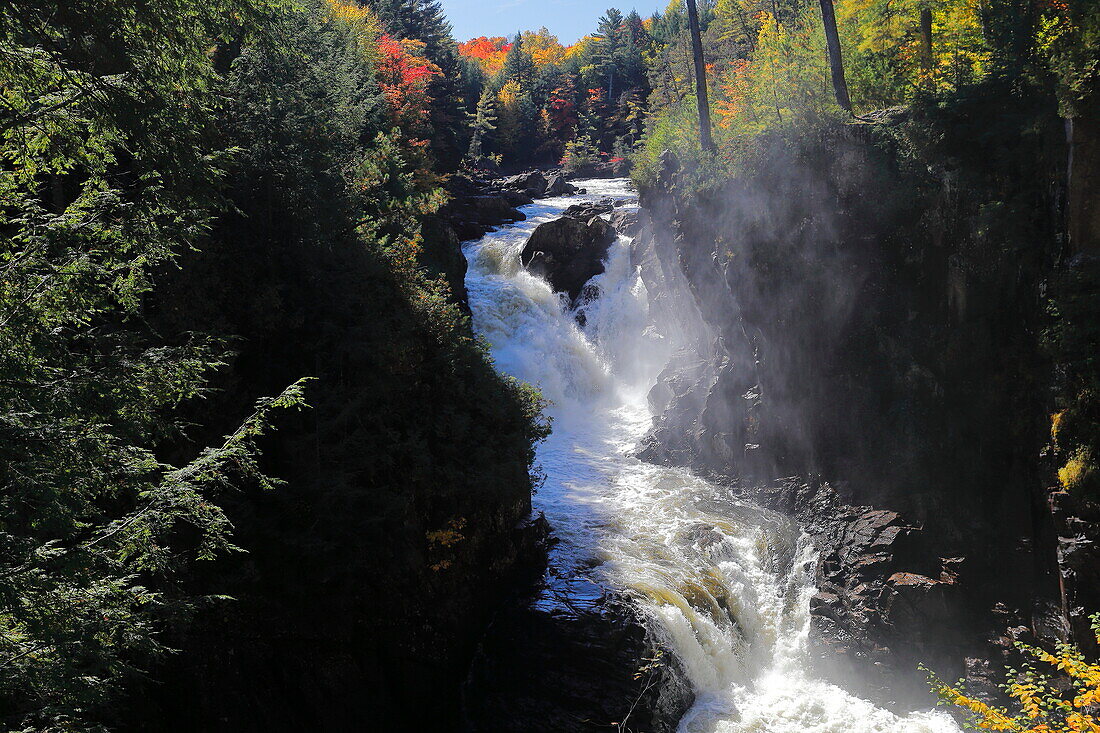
column 725, row 583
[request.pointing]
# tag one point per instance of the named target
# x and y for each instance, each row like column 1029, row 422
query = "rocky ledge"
column 570, row 655
column 477, row 205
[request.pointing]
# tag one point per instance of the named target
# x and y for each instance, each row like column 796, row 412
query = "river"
column 726, row 584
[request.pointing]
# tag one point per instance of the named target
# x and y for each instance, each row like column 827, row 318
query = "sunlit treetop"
column 489, row 52
column 543, row 47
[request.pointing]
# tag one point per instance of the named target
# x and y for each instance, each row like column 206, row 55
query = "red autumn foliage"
column 402, row 67
column 561, row 112
column 404, row 75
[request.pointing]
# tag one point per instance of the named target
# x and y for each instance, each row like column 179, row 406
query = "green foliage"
column 108, row 171
column 885, row 58
column 122, row 123
column 579, row 154
column 1068, row 39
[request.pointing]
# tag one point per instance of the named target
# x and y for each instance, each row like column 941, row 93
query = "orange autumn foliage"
column 736, row 86
column 489, row 52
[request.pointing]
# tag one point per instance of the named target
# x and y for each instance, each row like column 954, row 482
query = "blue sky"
column 567, row 19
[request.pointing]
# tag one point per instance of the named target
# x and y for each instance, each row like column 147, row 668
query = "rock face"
column 442, row 255
column 1078, row 531
column 589, row 665
column 626, row 222
column 824, row 332
column 568, row 252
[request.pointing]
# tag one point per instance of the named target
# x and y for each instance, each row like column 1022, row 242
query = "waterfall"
column 726, row 584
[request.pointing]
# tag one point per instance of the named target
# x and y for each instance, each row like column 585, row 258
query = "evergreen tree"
column 635, row 42
column 474, row 79
column 481, row 124
column 518, row 66
column 611, row 36
column 108, row 171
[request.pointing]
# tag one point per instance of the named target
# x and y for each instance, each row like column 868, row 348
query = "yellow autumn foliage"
column 885, row 33
column 1041, row 707
column 1077, row 470
column 362, row 22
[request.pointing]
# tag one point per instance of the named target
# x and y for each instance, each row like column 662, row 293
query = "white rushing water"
column 727, row 584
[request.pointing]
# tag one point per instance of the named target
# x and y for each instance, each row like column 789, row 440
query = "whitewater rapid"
column 726, row 584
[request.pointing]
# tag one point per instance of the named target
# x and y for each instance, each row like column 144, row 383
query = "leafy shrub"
column 1081, row 474
column 1062, row 698
column 579, row 154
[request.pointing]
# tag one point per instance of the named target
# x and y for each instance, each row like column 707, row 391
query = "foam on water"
column 727, row 584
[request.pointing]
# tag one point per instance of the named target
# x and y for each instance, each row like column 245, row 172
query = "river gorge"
column 725, row 584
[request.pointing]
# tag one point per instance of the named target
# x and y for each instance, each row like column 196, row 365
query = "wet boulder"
column 568, row 252
column 517, row 198
column 532, row 183
column 588, row 209
column 558, row 186
column 492, row 210
column 596, row 169
column 558, row 661
column 475, row 207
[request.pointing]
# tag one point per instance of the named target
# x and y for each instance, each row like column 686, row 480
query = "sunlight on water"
column 726, row 583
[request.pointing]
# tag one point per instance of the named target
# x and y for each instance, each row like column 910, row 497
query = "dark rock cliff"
column 571, row 655
column 865, row 318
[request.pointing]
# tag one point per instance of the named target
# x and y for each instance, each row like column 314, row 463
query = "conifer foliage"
column 107, row 173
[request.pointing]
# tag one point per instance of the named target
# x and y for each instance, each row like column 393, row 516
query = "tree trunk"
column 836, row 63
column 926, row 46
column 701, row 98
